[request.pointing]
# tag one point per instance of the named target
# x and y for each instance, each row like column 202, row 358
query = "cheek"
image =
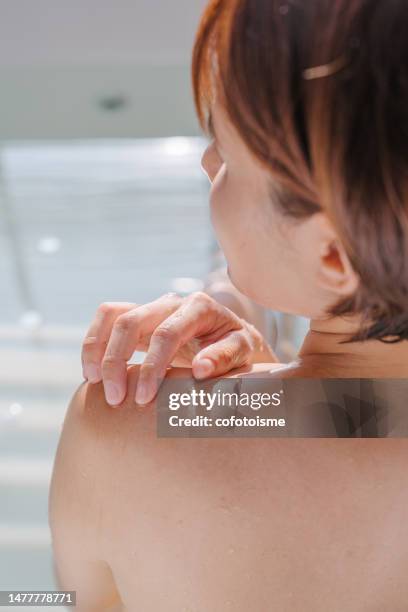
column 227, row 209
column 234, row 218
column 250, row 235
column 265, row 261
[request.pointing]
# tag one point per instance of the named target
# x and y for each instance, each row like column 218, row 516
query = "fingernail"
column 203, row 368
column 92, row 372
column 112, row 393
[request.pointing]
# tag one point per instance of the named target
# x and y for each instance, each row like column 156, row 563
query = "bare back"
column 212, row 525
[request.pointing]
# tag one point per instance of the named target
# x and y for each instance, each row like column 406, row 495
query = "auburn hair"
column 318, row 91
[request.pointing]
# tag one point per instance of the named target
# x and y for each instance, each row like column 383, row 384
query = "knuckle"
column 125, row 322
column 235, row 353
column 166, row 333
column 92, row 347
column 200, row 303
column 240, row 350
column 108, row 363
column 89, row 343
column 200, row 297
column 105, row 308
column 149, row 366
column 227, row 355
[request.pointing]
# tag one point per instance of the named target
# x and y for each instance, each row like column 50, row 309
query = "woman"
column 309, row 197
column 307, row 106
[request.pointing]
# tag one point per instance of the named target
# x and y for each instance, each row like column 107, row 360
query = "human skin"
column 279, row 263
column 296, row 267
column 295, row 525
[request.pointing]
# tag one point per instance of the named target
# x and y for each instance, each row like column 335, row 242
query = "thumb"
column 231, row 351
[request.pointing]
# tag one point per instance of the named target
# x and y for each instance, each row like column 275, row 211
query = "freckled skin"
column 214, row 524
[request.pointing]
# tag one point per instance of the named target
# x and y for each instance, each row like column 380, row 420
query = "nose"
column 211, row 162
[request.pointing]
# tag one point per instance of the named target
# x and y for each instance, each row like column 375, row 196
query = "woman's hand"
column 195, row 331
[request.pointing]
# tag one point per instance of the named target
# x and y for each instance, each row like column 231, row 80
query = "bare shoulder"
column 125, row 438
column 135, row 500
column 112, row 429
column 109, row 443
column 117, row 447
column 90, row 416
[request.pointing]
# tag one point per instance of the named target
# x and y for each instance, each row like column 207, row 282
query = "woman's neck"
column 368, row 358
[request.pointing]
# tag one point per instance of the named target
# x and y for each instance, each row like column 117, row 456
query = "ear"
column 335, row 272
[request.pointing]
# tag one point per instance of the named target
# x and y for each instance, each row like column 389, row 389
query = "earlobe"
column 211, row 162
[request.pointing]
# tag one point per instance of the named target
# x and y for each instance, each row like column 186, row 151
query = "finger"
column 97, row 336
column 127, row 331
column 194, row 318
column 232, row 351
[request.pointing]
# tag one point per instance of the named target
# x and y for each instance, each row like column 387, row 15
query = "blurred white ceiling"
column 97, row 68
column 86, row 32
